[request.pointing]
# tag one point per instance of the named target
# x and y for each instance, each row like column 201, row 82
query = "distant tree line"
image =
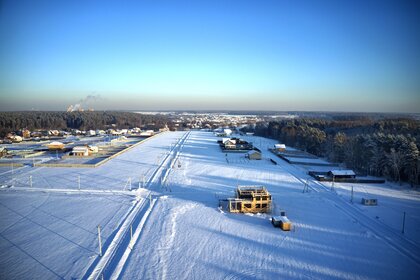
column 38, row 120
column 387, row 147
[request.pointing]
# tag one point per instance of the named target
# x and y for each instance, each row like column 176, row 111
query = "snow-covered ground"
column 183, row 235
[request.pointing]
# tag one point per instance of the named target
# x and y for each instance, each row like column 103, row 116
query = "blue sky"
column 256, row 55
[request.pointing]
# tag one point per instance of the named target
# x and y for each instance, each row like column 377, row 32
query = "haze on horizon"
column 211, row 55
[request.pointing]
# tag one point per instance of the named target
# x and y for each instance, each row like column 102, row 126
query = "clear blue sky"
column 260, row 55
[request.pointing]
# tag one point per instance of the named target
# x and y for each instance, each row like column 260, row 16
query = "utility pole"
column 99, row 240
column 13, row 174
column 403, row 225
column 351, row 200
column 332, row 185
column 131, row 234
column 305, row 187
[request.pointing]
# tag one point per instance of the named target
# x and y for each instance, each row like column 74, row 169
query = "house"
column 55, row 146
column 235, row 144
column 16, row 139
column 227, row 131
column 147, row 133
column 93, row 149
column 337, row 174
column 53, row 132
column 254, row 155
column 80, row 151
column 36, row 134
column 250, row 199
column 280, row 147
column 230, row 144
column 26, row 133
column 3, row 152
column 91, row 133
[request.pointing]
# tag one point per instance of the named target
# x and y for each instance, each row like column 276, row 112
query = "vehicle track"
column 105, row 266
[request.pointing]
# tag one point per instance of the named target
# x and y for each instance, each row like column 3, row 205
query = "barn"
column 342, row 174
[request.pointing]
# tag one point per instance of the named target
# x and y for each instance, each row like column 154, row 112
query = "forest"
column 385, row 147
column 34, row 120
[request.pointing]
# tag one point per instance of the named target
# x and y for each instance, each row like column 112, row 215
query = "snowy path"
column 112, row 262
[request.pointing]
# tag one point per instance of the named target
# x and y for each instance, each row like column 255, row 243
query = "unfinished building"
column 249, row 199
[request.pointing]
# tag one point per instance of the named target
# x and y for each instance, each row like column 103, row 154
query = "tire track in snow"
column 112, row 263
column 169, row 237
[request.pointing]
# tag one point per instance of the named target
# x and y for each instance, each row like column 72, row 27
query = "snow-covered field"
column 48, row 230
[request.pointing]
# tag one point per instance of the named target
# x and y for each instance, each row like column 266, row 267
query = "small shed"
column 281, row 221
column 342, row 173
column 254, row 155
column 80, row 151
column 280, row 147
column 369, row 201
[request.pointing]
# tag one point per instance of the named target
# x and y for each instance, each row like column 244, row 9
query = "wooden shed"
column 254, row 155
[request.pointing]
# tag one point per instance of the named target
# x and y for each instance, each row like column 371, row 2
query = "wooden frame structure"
column 250, row 199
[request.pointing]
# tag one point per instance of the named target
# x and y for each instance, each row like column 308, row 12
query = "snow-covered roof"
column 253, row 152
column 80, row 149
column 280, row 146
column 343, row 172
column 228, row 140
column 227, row 131
column 284, row 219
column 55, row 143
column 225, row 139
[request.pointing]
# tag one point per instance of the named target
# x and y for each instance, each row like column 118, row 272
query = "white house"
column 80, row 151
column 91, row 133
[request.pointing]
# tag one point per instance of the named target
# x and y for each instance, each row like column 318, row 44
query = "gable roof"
column 342, row 172
column 80, row 149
